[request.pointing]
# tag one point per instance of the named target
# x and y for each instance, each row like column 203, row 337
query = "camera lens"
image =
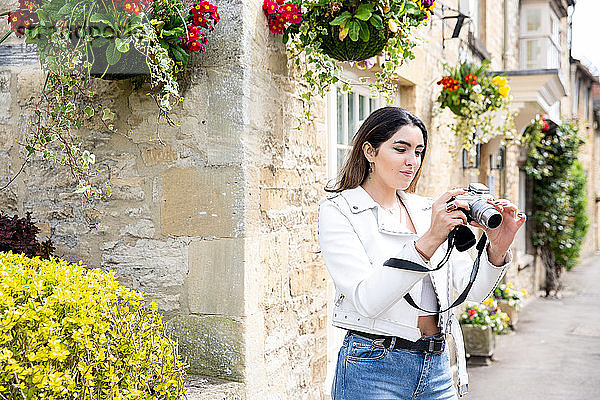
column 494, row 221
column 485, row 214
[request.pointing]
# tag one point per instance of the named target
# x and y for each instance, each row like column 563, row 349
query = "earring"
column 371, row 167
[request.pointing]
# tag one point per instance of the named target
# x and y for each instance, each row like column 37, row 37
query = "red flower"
column 205, row 15
column 21, row 20
column 295, row 18
column 270, row 7
column 289, row 9
column 28, row 4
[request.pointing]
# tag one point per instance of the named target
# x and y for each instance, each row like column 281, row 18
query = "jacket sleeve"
column 487, row 278
column 371, row 288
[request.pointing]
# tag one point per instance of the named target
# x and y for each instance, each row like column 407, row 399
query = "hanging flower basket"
column 479, row 101
column 80, row 39
column 319, row 33
column 350, row 50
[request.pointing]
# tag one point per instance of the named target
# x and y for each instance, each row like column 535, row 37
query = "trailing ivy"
column 559, row 195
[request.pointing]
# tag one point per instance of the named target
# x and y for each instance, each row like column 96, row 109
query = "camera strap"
column 409, row 265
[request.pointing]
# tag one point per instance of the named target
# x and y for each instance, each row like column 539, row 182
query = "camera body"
column 480, row 210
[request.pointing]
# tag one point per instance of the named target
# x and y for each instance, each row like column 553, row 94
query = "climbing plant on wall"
column 78, row 40
column 559, row 195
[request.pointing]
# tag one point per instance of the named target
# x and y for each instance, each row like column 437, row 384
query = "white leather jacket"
column 357, row 236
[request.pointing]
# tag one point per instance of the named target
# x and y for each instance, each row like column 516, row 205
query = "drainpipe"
column 505, row 40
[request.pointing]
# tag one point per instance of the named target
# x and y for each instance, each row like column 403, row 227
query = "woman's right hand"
column 442, row 221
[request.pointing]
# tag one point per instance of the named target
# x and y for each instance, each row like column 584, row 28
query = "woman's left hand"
column 502, row 237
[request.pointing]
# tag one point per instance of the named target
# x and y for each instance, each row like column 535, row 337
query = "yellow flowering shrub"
column 68, row 332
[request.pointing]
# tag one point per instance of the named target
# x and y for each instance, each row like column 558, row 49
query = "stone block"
column 211, row 345
column 158, row 154
column 273, row 199
column 203, row 202
column 4, row 81
column 215, row 283
column 5, row 101
column 30, row 82
column 307, row 279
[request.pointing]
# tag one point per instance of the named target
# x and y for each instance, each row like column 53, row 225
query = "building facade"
column 216, row 219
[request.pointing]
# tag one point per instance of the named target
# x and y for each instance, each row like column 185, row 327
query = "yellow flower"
column 499, row 81
column 503, row 91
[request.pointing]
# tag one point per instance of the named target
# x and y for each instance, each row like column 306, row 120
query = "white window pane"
column 351, row 116
column 372, row 106
column 362, row 108
column 341, row 158
column 533, row 53
column 533, row 20
column 340, row 116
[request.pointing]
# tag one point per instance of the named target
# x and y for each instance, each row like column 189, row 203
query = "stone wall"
column 174, row 226
column 216, row 219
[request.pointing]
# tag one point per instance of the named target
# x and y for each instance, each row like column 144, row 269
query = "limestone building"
column 216, row 219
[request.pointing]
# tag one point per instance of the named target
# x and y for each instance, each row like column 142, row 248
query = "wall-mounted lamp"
column 460, row 20
column 468, row 161
column 498, row 160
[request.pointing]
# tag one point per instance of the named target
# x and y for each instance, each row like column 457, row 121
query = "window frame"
column 547, row 37
column 333, row 123
column 335, row 336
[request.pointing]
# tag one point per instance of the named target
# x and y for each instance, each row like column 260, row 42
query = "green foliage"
column 559, row 189
column 390, row 22
column 67, row 332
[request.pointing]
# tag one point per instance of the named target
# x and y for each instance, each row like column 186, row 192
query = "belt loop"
column 392, row 343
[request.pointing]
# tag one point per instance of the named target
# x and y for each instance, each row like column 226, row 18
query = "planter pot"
column 131, row 64
column 480, row 341
column 511, row 311
column 348, row 50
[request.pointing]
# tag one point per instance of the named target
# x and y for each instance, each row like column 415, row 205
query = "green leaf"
column 107, row 114
column 112, row 54
column 353, row 30
column 102, row 18
column 122, row 44
column 364, row 12
column 411, row 8
column 341, row 18
column 65, row 9
column 364, row 32
column 376, row 21
column 89, row 111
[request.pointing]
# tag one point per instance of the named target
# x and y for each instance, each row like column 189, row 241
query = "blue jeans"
column 372, row 372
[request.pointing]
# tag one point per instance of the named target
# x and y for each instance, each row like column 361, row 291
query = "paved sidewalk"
column 555, row 352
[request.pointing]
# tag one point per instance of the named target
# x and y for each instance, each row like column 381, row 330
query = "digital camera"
column 480, row 210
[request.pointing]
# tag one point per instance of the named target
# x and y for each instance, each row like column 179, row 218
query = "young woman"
column 371, row 223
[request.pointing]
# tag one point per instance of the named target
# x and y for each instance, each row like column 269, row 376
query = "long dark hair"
column 381, row 125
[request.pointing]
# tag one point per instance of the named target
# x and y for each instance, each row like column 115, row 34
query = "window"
column 350, row 109
column 533, row 21
column 586, row 102
column 345, row 114
column 540, row 37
